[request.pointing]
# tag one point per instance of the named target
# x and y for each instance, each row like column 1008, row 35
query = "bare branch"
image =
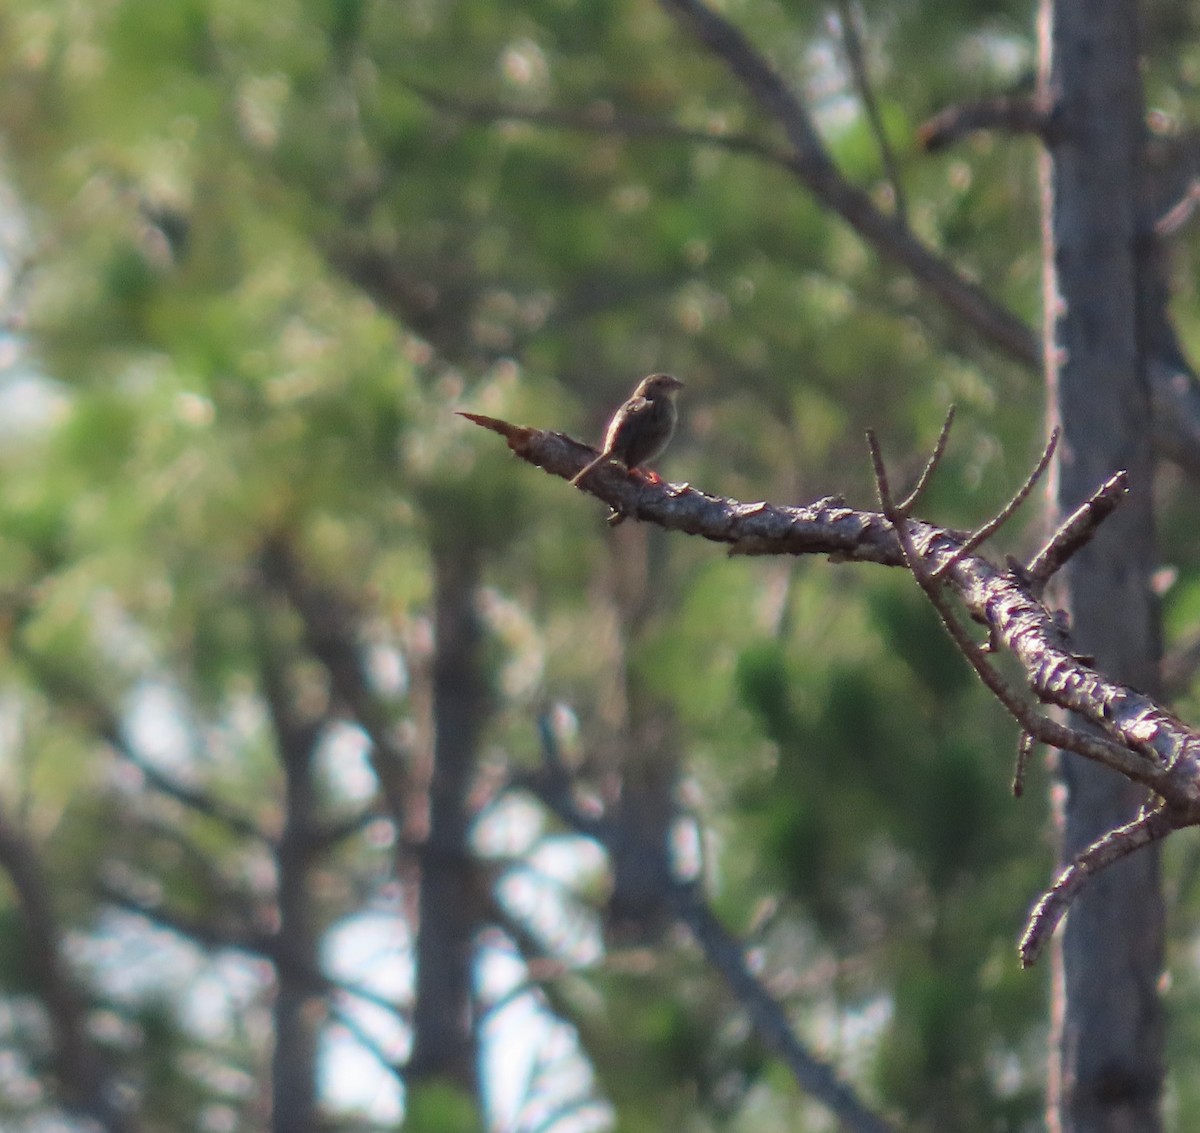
column 1148, row 827
column 856, row 58
column 906, row 505
column 1134, row 734
column 815, row 169
column 983, row 534
column 1116, row 843
column 930, row 584
column 1076, row 530
column 603, row 117
column 725, row 953
column 1047, row 731
column 1004, row 113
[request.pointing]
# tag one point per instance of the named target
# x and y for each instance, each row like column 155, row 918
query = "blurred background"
column 291, row 656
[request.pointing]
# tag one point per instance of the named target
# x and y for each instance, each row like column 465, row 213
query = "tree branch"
column 1132, row 734
column 723, row 951
column 852, row 45
column 726, row 954
column 982, row 534
column 330, row 630
column 815, row 169
column 1047, row 731
column 1005, row 113
column 85, row 1081
column 1076, row 531
column 1151, row 826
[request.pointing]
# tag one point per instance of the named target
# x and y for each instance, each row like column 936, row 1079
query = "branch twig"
column 815, row 169
column 1076, row 530
column 1133, row 735
column 983, row 534
column 906, row 505
column 1148, row 827
column 1006, row 113
column 856, row 58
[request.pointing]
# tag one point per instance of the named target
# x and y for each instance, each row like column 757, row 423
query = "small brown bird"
column 642, row 427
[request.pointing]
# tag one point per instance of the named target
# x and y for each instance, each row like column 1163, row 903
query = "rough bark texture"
column 1108, row 1033
column 445, row 1038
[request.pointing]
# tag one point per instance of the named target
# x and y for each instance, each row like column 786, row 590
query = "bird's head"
column 658, row 385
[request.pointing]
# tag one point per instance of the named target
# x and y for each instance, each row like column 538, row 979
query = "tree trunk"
column 445, row 1040
column 84, row 1083
column 1107, row 1054
column 299, row 1008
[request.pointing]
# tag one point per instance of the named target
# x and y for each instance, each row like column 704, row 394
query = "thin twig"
column 1076, row 530
column 906, row 505
column 1046, row 731
column 981, row 535
column 1148, row 827
column 605, row 119
column 1180, row 213
column 925, row 579
column 856, row 58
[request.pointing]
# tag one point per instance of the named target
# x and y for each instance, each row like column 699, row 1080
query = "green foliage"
column 439, row 1107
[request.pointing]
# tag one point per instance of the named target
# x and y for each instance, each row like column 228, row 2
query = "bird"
column 641, row 428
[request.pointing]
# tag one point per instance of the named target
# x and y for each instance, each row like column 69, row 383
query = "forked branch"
column 1128, row 731
column 1150, row 826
